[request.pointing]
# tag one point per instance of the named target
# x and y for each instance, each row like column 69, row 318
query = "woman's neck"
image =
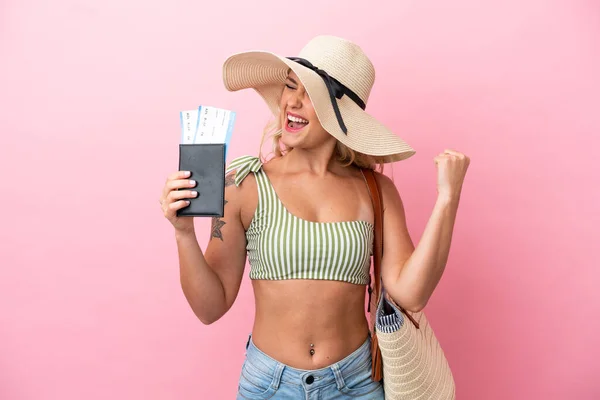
column 319, row 162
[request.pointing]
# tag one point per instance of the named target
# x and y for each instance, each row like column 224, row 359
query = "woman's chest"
column 323, row 200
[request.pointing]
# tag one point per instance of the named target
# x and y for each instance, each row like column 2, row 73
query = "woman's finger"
column 176, row 185
column 180, row 184
column 454, row 153
column 182, row 194
column 178, row 175
column 178, row 204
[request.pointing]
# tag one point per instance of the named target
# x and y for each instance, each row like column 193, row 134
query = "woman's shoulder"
column 239, row 168
column 383, row 180
column 243, row 160
column 389, row 190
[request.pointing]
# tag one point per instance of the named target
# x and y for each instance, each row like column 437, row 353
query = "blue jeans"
column 262, row 377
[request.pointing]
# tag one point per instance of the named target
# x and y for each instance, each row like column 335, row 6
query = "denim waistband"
column 356, row 362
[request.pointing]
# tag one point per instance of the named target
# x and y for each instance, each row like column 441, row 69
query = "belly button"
column 312, row 350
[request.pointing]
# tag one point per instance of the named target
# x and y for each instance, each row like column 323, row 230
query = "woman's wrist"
column 185, row 233
column 448, row 199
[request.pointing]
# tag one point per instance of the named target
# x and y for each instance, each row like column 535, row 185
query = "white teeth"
column 296, row 119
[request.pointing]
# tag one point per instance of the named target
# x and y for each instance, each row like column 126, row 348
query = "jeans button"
column 310, row 379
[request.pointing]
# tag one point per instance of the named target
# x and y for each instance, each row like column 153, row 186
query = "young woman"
column 305, row 220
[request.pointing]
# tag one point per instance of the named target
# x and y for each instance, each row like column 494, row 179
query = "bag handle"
column 375, row 284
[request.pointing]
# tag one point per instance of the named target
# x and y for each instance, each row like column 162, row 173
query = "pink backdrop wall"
column 90, row 303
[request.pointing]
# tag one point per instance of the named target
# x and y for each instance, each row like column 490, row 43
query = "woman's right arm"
column 210, row 280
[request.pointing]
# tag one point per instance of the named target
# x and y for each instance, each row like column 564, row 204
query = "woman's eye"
column 289, row 87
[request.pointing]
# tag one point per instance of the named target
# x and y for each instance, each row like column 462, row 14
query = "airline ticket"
column 207, row 125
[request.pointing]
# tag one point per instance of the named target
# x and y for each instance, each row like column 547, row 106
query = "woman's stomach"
column 309, row 324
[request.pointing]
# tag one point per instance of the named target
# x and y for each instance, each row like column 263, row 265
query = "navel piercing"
column 312, row 351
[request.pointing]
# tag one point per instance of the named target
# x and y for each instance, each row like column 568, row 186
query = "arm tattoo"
column 230, row 179
column 217, row 223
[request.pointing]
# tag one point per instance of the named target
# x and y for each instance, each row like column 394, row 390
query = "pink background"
column 90, row 302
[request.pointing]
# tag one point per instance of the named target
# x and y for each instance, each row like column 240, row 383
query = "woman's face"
column 300, row 126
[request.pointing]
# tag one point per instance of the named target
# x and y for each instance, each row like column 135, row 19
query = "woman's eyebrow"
column 293, row 81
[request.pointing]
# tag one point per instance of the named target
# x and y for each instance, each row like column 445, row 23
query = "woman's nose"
column 295, row 99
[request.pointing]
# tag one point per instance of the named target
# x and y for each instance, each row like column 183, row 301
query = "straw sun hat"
column 338, row 77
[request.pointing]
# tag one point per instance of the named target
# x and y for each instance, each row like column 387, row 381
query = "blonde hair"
column 343, row 154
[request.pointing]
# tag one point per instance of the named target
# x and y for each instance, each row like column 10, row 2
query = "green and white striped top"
column 283, row 246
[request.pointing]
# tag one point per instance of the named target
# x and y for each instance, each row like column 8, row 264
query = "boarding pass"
column 207, row 125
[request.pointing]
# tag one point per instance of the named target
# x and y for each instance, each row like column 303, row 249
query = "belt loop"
column 277, row 375
column 248, row 342
column 339, row 379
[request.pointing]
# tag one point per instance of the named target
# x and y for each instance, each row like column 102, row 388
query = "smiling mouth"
column 294, row 123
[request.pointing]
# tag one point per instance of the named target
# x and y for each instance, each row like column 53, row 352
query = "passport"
column 205, row 135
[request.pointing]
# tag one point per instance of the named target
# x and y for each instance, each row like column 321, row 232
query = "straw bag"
column 405, row 351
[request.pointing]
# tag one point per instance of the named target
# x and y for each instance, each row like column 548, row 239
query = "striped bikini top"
column 283, row 246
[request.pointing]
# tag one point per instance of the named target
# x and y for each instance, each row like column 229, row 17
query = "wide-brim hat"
column 338, row 77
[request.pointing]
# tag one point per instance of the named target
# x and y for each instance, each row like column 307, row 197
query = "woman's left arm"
column 410, row 275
